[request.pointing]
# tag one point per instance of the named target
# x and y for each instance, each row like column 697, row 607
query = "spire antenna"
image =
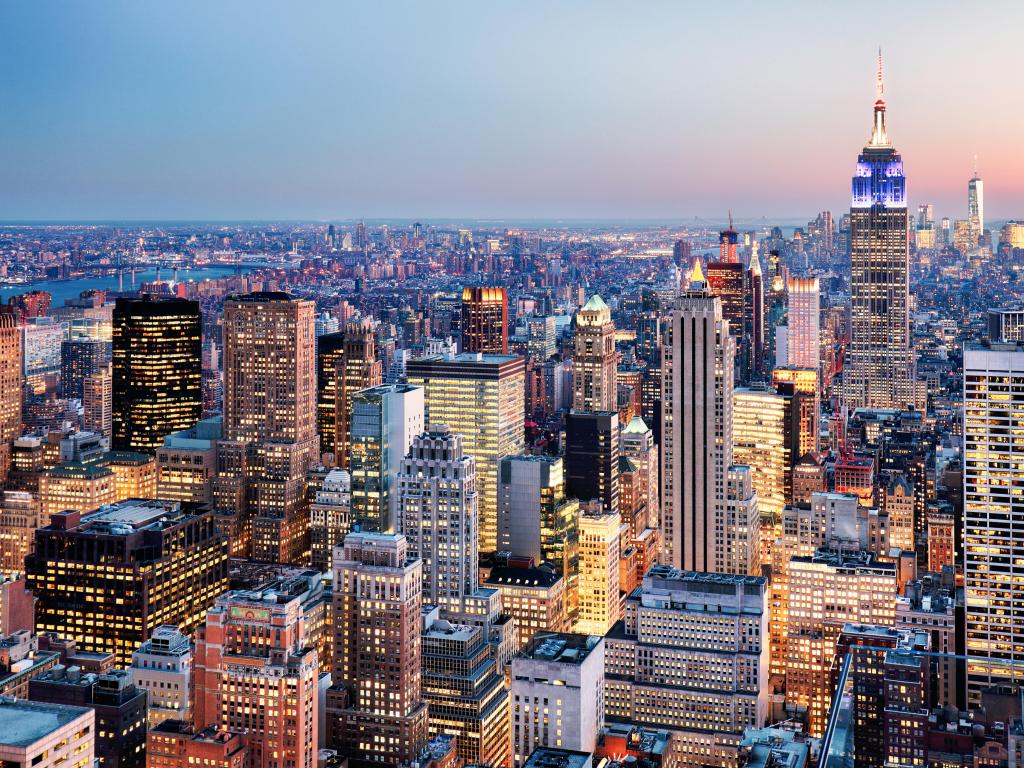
column 880, row 84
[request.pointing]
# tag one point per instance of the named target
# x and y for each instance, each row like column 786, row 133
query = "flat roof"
column 25, row 722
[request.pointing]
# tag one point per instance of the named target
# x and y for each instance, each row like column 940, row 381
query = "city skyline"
column 204, row 114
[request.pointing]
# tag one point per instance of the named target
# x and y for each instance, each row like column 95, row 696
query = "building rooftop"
column 563, row 647
column 25, row 722
column 538, row 578
column 552, row 757
column 133, row 513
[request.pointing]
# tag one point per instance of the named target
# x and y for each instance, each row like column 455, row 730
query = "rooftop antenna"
column 730, row 219
column 880, row 84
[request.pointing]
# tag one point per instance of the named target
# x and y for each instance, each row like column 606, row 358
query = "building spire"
column 878, row 136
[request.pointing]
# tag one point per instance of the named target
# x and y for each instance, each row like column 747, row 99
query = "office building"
column 741, row 532
column 803, row 334
column 541, row 339
column 599, row 601
column 691, row 656
column 10, row 387
column 176, row 744
column 727, row 281
column 592, row 457
column 859, row 590
column 879, row 367
column 270, row 409
column 485, row 320
column 330, row 517
column 637, row 444
column 1006, row 324
column 805, row 384
column 756, row 314
column 41, row 339
column 187, row 463
column 976, row 207
column 120, row 709
column 535, row 518
column 19, row 518
column 438, row 510
column 594, row 359
column 697, row 420
column 346, row 363
column 766, row 438
column 993, row 474
column 109, row 578
column 535, row 598
column 98, row 403
column 557, row 696
column 375, row 710
column 157, row 371
column 80, row 357
column 256, row 670
column 162, row 666
column 465, row 691
column 481, row 398
column 385, row 421
column 35, row 735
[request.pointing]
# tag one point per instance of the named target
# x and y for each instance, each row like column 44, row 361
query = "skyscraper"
column 485, row 320
column 993, row 514
column 594, row 360
column 97, row 403
column 347, row 362
column 592, row 457
column 697, row 449
column 480, row 397
column 755, row 312
column 270, row 414
column 81, row 357
column 10, row 387
column 438, row 512
column 976, row 207
column 375, row 709
column 803, row 337
column 599, row 603
column 879, row 372
column 157, row 371
column 385, row 422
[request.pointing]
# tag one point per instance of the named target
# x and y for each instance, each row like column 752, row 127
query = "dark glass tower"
column 158, row 371
column 880, row 368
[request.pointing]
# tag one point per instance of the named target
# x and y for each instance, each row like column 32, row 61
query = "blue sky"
column 484, row 109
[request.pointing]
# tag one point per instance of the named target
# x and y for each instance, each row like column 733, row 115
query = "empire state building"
column 879, row 372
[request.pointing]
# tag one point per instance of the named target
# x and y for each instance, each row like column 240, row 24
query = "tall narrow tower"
column 880, row 372
column 976, row 205
column 594, row 358
column 697, row 440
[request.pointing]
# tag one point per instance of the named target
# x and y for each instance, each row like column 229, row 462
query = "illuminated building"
column 805, row 382
column 438, row 515
column 346, row 363
column 29, row 730
column 22, row 660
column 108, row 579
column 536, row 520
column 696, row 432
column 175, row 744
column 480, row 397
column 534, row 597
column 541, row 338
column 599, row 603
column 375, row 710
column 652, row 747
column 19, row 518
column 1006, row 324
column 728, row 240
column 976, row 207
column 879, row 367
column 256, row 671
column 157, row 371
column 727, row 282
column 993, row 478
column 927, row 607
column 897, row 500
column 76, row 486
column 330, row 517
column 594, row 359
column 162, row 666
column 755, row 312
column 740, row 524
column 465, row 692
column 187, row 462
column 385, row 421
column 80, row 357
column 10, row 387
column 636, row 443
column 827, row 590
column 705, row 634
column 766, row 438
column 270, row 409
column 803, row 335
column 97, row 403
column 134, row 475
column 1013, row 235
column 592, row 457
column 941, row 540
column 557, row 695
column 485, row 320
column 41, row 339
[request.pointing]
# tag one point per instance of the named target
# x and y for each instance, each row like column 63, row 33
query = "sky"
column 337, row 109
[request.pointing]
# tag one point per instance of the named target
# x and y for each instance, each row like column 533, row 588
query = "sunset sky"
column 315, row 110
